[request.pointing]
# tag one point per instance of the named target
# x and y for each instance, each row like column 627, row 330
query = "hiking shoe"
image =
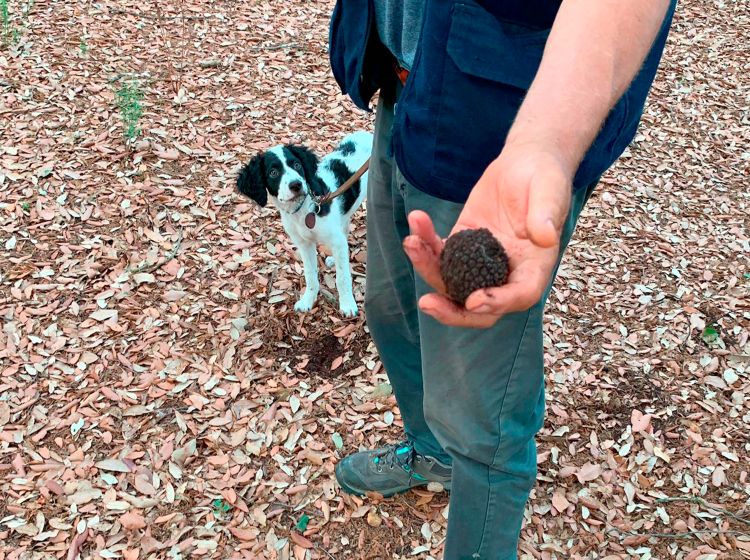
column 390, row 470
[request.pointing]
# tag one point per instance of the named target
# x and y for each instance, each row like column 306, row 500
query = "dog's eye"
column 273, row 173
column 297, row 165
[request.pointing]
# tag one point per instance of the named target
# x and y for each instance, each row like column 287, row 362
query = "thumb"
column 549, row 202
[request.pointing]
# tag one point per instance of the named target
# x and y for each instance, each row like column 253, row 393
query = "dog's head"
column 284, row 173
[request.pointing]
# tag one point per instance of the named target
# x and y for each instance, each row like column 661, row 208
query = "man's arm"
column 594, row 51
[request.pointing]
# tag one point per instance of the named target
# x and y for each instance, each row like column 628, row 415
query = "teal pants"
column 471, row 398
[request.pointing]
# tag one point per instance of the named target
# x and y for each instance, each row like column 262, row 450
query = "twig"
column 162, row 31
column 700, row 501
column 144, row 77
column 677, row 535
column 157, row 17
column 324, row 550
column 211, row 63
column 171, row 255
column 185, row 41
column 275, row 47
column 692, row 500
column 25, row 110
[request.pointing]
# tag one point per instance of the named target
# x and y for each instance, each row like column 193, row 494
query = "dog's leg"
column 340, row 250
column 309, row 257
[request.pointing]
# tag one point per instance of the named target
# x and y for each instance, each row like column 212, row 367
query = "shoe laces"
column 397, row 454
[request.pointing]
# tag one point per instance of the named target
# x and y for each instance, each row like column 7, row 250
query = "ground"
column 161, row 399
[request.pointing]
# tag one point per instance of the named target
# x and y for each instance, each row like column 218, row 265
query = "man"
column 499, row 114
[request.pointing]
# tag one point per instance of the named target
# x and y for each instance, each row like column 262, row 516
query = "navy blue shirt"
column 474, row 63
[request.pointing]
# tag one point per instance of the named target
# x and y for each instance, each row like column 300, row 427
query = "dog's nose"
column 296, row 186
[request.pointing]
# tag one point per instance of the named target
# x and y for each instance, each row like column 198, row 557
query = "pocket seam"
column 527, row 47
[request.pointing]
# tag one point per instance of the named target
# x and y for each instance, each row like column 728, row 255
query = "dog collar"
column 310, row 216
column 304, row 198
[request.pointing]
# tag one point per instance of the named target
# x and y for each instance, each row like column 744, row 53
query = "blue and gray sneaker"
column 390, row 470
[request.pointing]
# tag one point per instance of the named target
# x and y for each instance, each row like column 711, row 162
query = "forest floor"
column 159, row 396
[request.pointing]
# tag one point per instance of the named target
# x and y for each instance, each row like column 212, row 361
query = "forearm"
column 594, row 50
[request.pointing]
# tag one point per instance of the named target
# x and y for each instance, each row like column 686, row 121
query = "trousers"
column 471, row 398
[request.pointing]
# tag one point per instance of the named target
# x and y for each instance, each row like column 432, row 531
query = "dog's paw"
column 330, row 261
column 304, row 305
column 348, row 307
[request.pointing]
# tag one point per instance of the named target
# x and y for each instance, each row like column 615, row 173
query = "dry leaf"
column 559, row 501
column 132, row 521
column 115, row 465
column 300, row 540
column 588, row 472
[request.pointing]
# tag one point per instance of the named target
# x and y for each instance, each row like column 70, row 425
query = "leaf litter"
column 159, row 397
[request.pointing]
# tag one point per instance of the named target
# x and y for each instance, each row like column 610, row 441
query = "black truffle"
column 472, row 259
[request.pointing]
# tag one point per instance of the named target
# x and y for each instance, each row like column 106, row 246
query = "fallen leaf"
column 144, row 278
column 245, row 535
column 115, row 465
column 84, row 493
column 588, row 472
column 559, row 501
column 144, row 486
column 132, row 521
column 4, row 413
column 300, row 540
column 104, row 314
column 170, row 154
column 639, row 421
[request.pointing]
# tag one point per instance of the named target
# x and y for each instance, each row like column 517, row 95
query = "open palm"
column 523, row 199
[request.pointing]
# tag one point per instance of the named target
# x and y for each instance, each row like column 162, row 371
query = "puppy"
column 289, row 175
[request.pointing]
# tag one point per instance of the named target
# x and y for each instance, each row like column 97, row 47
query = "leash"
column 328, row 197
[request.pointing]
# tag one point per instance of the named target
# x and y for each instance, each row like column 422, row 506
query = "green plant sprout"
column 129, row 98
column 5, row 14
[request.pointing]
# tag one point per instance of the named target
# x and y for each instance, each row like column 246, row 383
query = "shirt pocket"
column 489, row 66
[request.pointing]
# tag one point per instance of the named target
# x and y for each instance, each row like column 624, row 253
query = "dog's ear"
column 251, row 181
column 307, row 157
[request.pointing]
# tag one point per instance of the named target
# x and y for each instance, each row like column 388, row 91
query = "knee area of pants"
column 457, row 435
column 482, row 443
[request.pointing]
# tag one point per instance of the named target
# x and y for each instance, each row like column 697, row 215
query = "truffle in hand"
column 472, row 259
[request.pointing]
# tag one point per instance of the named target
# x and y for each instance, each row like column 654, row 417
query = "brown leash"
column 328, row 197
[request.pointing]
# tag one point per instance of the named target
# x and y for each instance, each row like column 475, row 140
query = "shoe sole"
column 349, row 490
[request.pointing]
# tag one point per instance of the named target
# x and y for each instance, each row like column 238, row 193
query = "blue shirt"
column 474, row 62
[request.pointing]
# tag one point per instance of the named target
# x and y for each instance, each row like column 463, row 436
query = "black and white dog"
column 289, row 175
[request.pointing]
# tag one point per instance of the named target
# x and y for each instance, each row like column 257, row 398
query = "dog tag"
column 310, row 220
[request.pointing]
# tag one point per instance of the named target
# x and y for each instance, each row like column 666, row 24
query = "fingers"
column 525, row 287
column 549, row 202
column 425, row 262
column 423, row 248
column 450, row 314
column 485, row 307
column 510, row 298
column 420, row 225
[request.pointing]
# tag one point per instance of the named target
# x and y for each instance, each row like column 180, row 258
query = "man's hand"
column 593, row 52
column 523, row 199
